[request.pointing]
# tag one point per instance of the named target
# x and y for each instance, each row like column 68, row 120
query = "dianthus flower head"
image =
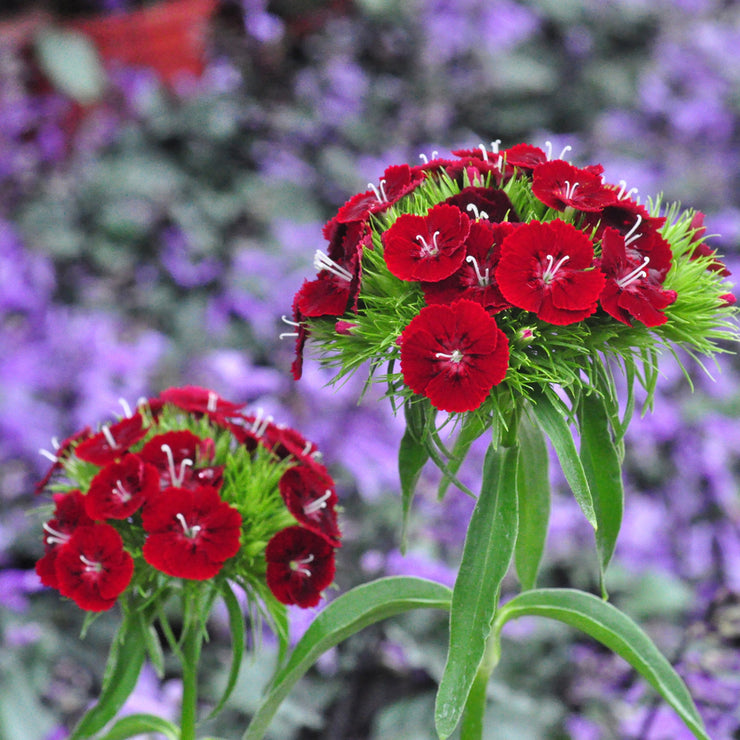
column 185, row 489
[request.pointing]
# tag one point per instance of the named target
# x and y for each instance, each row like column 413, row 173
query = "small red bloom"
column 173, row 454
column 119, row 489
column 300, row 565
column 475, row 280
column 524, row 157
column 112, row 442
column 702, row 249
column 192, row 532
column 492, row 204
column 308, row 492
column 93, row 569
column 632, row 289
column 454, row 355
column 198, row 400
column 547, row 268
column 61, row 452
column 427, row 247
column 69, row 514
column 558, row 184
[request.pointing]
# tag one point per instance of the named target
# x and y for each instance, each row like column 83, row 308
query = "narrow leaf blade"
column 489, row 546
column 348, row 614
column 601, row 462
column 412, row 456
column 614, row 629
column 135, row 725
column 555, row 426
column 533, row 492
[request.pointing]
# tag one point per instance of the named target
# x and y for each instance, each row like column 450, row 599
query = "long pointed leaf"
column 489, row 546
column 125, row 661
column 533, row 491
column 600, row 459
column 412, row 456
column 348, row 614
column 555, row 426
column 616, row 631
column 136, row 725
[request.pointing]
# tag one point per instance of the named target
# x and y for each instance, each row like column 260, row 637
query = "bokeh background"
column 158, row 208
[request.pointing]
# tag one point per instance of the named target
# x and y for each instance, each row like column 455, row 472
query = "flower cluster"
column 506, row 268
column 188, row 486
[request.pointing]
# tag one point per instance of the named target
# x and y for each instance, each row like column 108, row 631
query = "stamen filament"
column 425, row 159
column 483, row 280
column 212, row 401
column 317, row 505
column 454, row 356
column 126, row 408
column 109, row 437
column 476, row 212
column 570, row 189
column 49, row 456
column 623, row 192
column 175, row 477
column 55, row 537
column 482, row 147
column 323, row 262
column 260, row 424
column 427, row 249
column 636, row 274
column 552, row 269
column 287, row 321
column 189, row 531
column 297, row 565
column 632, row 234
column 123, row 494
column 90, row 565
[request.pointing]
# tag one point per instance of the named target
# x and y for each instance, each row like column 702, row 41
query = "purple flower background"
column 156, row 238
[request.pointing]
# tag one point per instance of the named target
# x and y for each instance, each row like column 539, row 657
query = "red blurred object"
column 169, row 37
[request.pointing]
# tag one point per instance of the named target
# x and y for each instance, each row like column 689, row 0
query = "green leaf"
column 125, row 660
column 71, row 63
column 473, row 426
column 533, row 492
column 412, row 456
column 489, row 546
column 554, row 423
column 238, row 629
column 615, row 630
column 136, row 725
column 601, row 463
column 348, row 614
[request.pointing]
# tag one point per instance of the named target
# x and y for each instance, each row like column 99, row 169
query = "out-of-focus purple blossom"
column 15, row 587
column 151, row 696
column 188, row 266
column 418, row 564
column 259, row 23
column 341, row 85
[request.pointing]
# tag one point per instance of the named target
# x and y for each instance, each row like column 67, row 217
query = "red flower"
column 702, row 249
column 559, row 185
column 632, row 289
column 300, row 565
column 69, row 514
column 93, row 569
column 454, row 355
column 112, row 442
column 474, row 280
column 61, row 452
column 174, row 454
column 524, row 157
column 427, row 247
column 489, row 203
column 547, row 268
column 198, row 400
column 397, row 181
column 308, row 492
column 119, row 489
column 192, row 532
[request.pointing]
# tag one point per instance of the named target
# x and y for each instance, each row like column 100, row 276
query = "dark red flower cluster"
column 143, row 494
column 573, row 247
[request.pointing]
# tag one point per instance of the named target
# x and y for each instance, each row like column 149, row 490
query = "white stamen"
column 260, row 424
column 482, row 147
column 90, row 565
column 287, row 321
column 455, row 356
column 55, row 442
column 189, row 531
column 323, row 262
column 379, row 194
column 495, row 145
column 427, row 249
column 632, row 234
column 483, row 280
column 212, row 402
column 307, row 449
column 570, row 189
column 425, row 159
column 126, row 408
column 297, row 565
column 55, row 537
column 636, row 274
column 552, row 269
column 175, row 477
column 49, row 456
column 317, row 505
column 548, row 149
column 476, row 211
column 623, row 192
column 109, row 438
column 123, row 494
column 564, row 151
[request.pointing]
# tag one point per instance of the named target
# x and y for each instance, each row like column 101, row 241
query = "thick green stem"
column 471, row 727
column 191, row 646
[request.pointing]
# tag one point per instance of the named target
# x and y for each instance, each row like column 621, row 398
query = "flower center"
column 91, row 566
column 483, row 280
column 123, row 494
column 429, row 250
column 637, row 274
column 552, row 267
column 455, row 356
column 189, row 531
column 317, row 505
column 323, row 262
column 570, row 190
column 299, row 566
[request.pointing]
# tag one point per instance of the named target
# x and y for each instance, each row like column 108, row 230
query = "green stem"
column 191, row 646
column 471, row 727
